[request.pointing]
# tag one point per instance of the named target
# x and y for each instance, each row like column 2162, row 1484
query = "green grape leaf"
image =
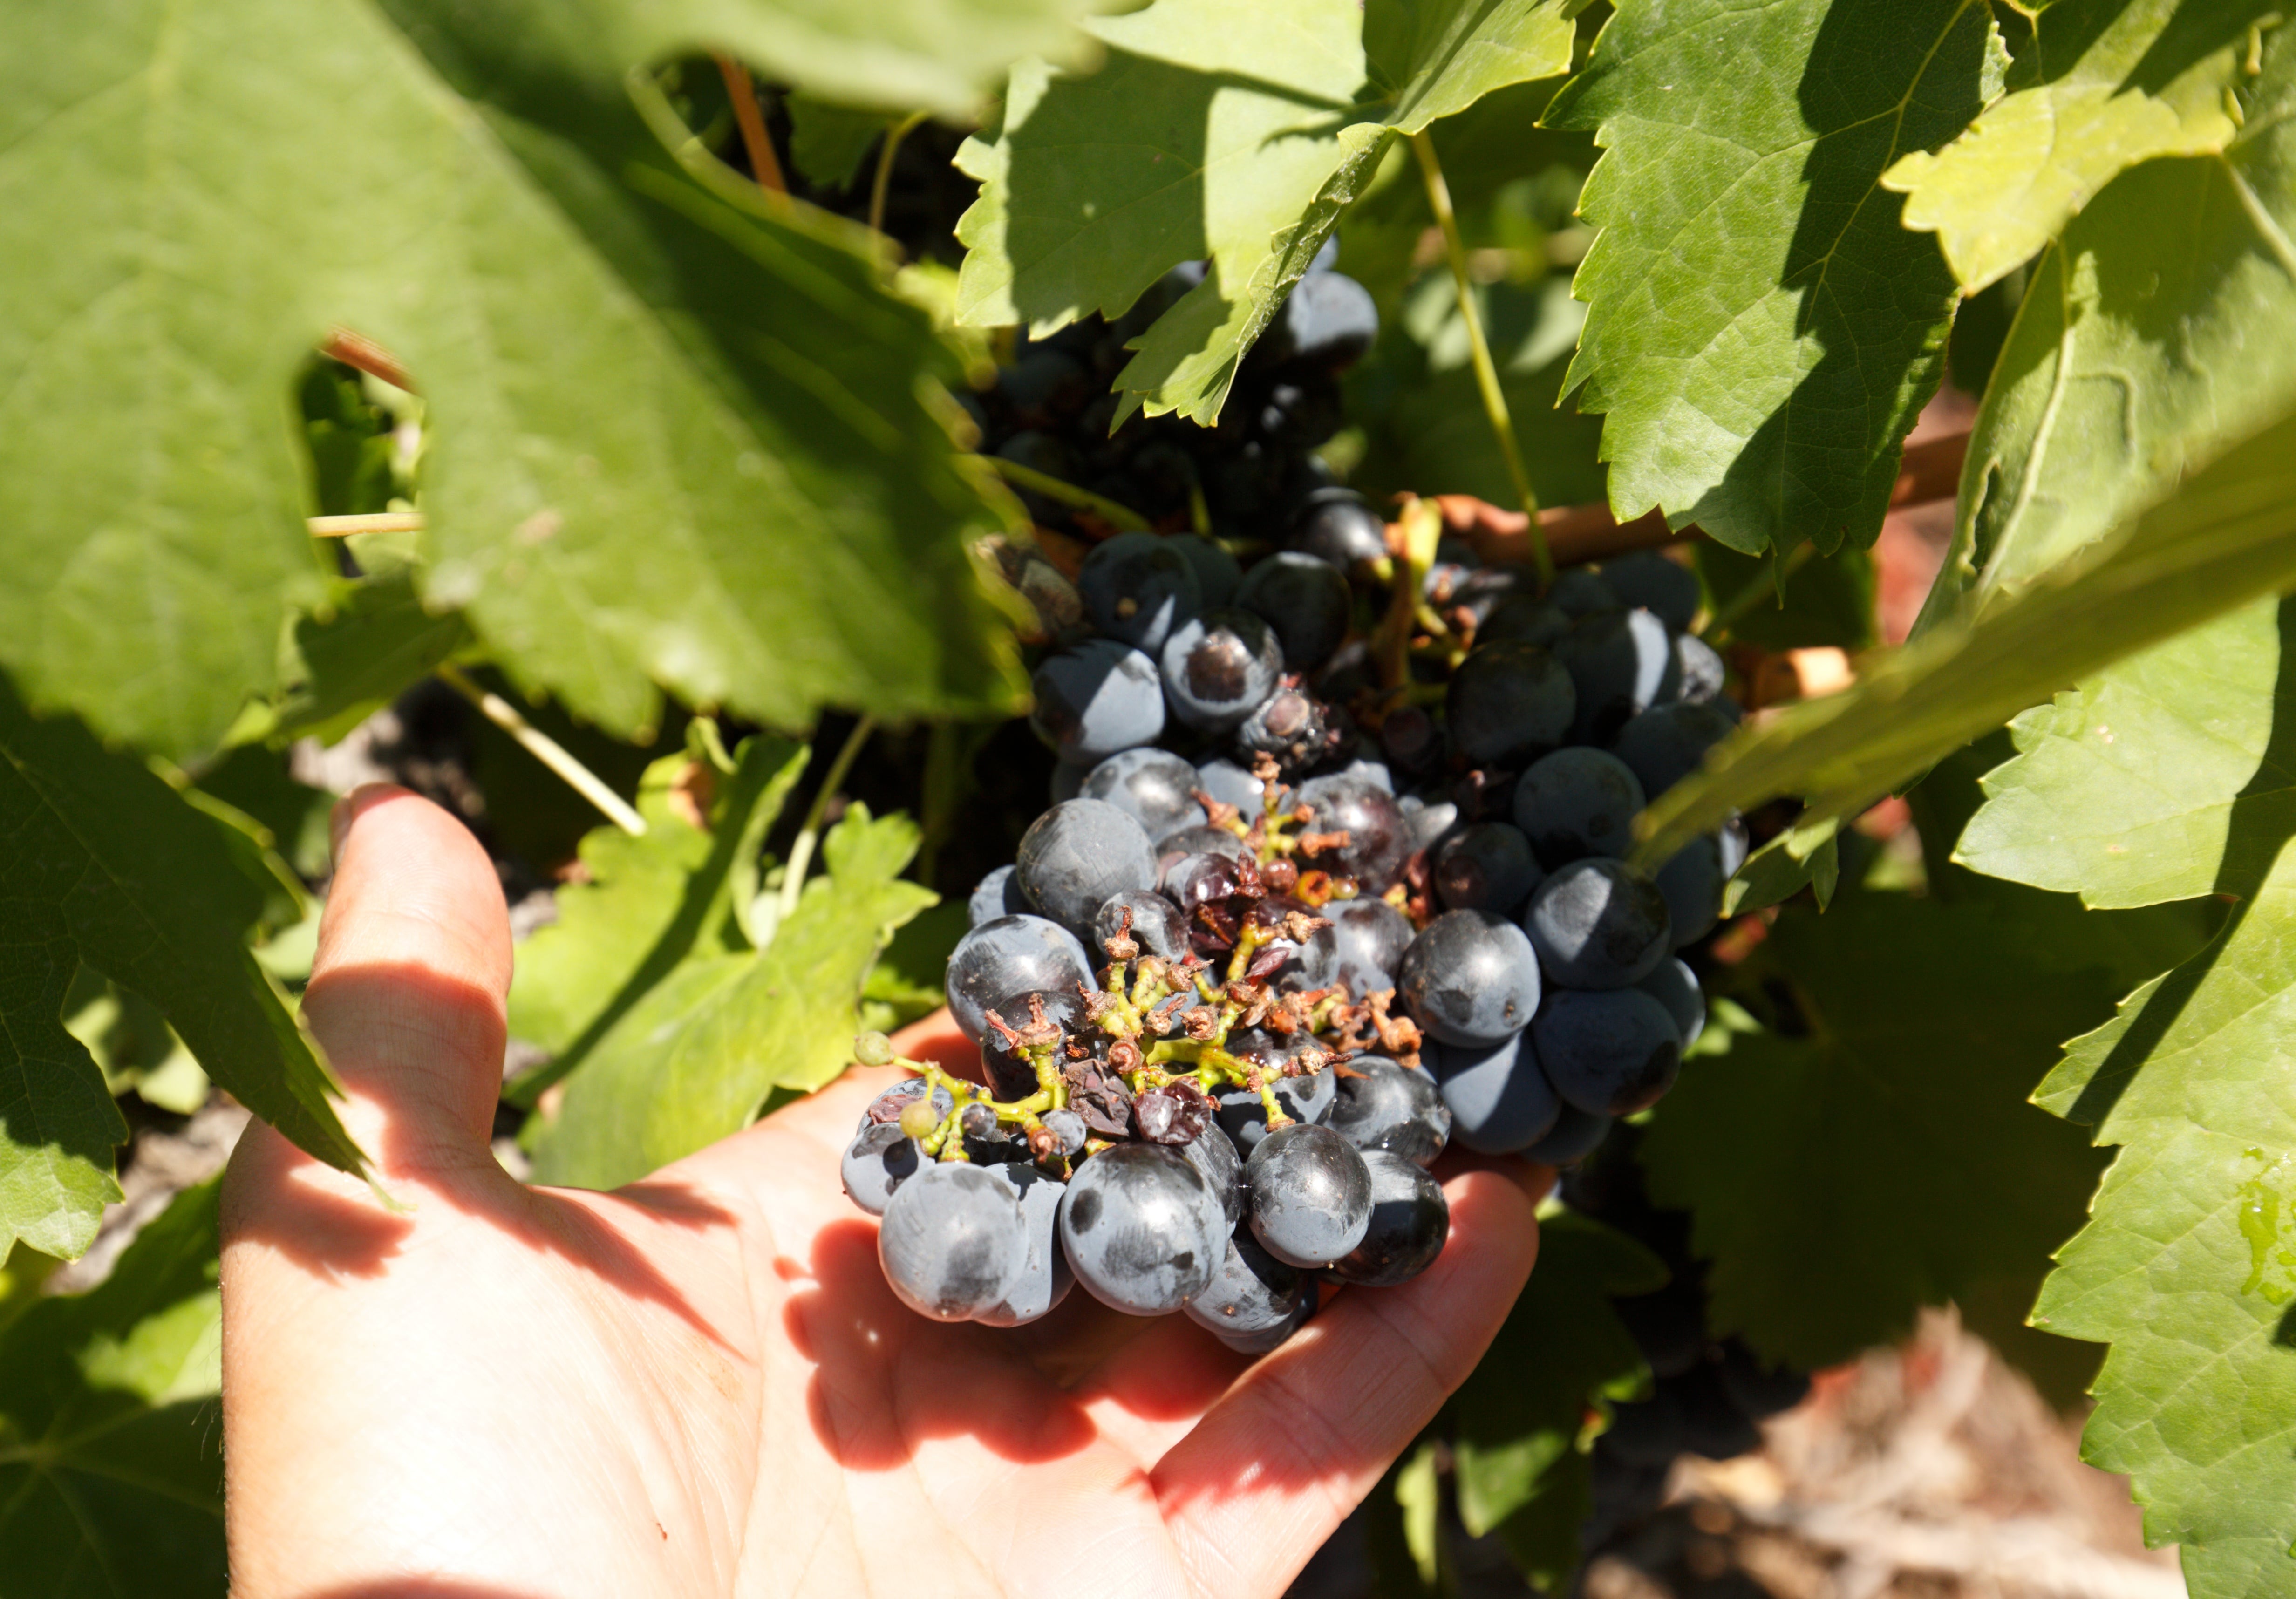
column 907, row 981
column 1826, row 1238
column 1807, row 855
column 2112, row 385
column 1761, row 331
column 1521, row 1411
column 1234, row 135
column 1825, row 602
column 828, row 141
column 2104, row 86
column 358, row 650
column 102, row 863
column 2187, row 1266
column 111, row 1437
column 1416, row 399
column 2227, row 534
column 692, row 1061
column 607, row 340
column 653, row 905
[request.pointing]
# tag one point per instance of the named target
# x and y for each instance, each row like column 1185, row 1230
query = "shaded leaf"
column 2185, row 1265
column 1234, row 135
column 605, row 342
column 1825, row 602
column 692, row 1061
column 102, row 862
column 1806, row 855
column 908, row 981
column 2117, row 379
column 1826, row 1238
column 2228, row 535
column 1762, row 332
column 111, row 1440
column 828, row 141
column 2103, row 85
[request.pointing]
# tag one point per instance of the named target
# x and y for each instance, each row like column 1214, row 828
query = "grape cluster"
column 1331, row 877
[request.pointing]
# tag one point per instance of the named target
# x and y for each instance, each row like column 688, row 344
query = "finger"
column 1275, row 1465
column 407, row 986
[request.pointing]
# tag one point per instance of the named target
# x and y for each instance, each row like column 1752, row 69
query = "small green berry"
column 874, row 1049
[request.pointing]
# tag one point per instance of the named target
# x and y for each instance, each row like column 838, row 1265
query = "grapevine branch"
column 1486, row 373
column 546, row 749
column 763, row 165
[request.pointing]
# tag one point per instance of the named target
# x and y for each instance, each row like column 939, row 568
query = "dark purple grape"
column 951, row 1242
column 1219, row 667
column 1171, row 1113
column 1573, row 1138
column 1293, row 726
column 1306, row 1099
column 877, row 1162
column 1097, row 699
column 1428, row 821
column 1009, row 1075
column 1328, row 321
column 1378, row 1104
column 1196, row 840
column 1377, row 841
column 1479, row 590
column 1067, row 782
column 1621, row 663
column 1508, row 704
column 1012, row 955
column 1254, row 1302
column 1599, row 924
column 1359, row 952
column 1079, row 854
column 1580, row 593
column 1200, row 879
column 1230, row 784
column 1693, row 879
column 1410, row 1221
column 1155, row 786
column 1045, row 1278
column 1310, row 1194
column 1409, row 739
column 1157, row 925
column 1499, row 1100
column 1470, row 979
column 1305, row 600
column 1068, row 1130
column 1218, row 572
column 997, row 895
column 1214, row 1155
column 1609, row 1054
column 1339, row 530
column 1487, row 866
column 1577, row 802
column 1667, row 589
column 1703, row 673
column 1525, row 618
column 1667, row 742
column 1141, row 1229
column 1675, row 986
column 1137, row 588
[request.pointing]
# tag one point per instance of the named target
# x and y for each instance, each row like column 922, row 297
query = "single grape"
column 1310, row 1194
column 1137, row 588
column 1359, row 952
column 1196, row 880
column 888, row 1106
column 1078, row 855
column 1525, row 618
column 1665, row 589
column 1305, row 600
column 873, row 1048
column 1376, row 838
column 1609, row 1054
column 1409, row 739
column 1621, row 663
column 1171, row 1113
column 1045, row 1278
column 1300, row 412
column 1380, row 1105
column 1429, row 822
column 1693, row 879
column 1580, row 593
column 951, row 1241
column 1499, row 1100
column 1142, row 1228
column 1097, row 699
column 1573, row 1139
column 1068, row 1128
column 1292, row 724
column 1486, row 866
column 1217, row 573
column 1156, row 786
column 1306, row 1099
column 1599, row 923
column 1373, row 772
column 1410, row 1219
column 997, row 895
column 1702, row 671
column 1470, row 978
column 1675, row 986
column 1157, row 925
column 1328, row 321
column 1509, row 703
column 1176, row 847
column 1012, row 955
column 1214, row 1155
column 1338, row 528
column 1667, row 742
column 1068, row 781
column 1254, row 1302
column 1577, row 802
column 1231, row 784
column 1008, row 1074
column 877, row 1162
column 1219, row 667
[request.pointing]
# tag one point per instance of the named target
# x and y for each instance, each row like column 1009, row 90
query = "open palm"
column 698, row 1384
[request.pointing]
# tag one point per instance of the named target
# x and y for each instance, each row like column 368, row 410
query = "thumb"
column 407, row 986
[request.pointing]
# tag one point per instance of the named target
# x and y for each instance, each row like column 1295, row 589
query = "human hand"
column 700, row 1384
